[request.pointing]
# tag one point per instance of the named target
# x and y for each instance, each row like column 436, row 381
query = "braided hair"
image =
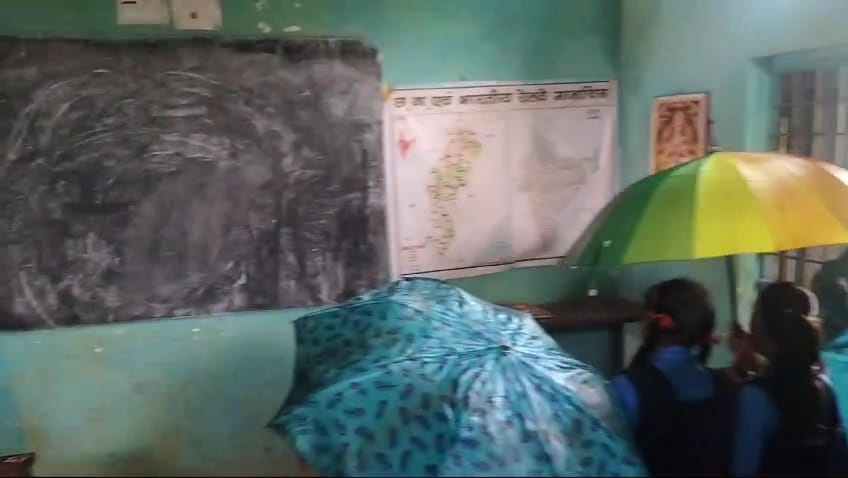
column 688, row 306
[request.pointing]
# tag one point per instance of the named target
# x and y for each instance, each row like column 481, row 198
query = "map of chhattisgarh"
column 485, row 178
column 450, row 174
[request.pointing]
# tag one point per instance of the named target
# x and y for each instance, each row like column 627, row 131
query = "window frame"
column 810, row 118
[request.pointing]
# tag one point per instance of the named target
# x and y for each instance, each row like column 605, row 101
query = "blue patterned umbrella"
column 421, row 379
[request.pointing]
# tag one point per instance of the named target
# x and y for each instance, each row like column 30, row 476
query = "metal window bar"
column 812, row 121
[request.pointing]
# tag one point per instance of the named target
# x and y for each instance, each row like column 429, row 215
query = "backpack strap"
column 654, row 426
column 791, row 453
column 654, row 391
column 831, row 406
column 828, row 413
column 832, row 419
column 838, row 445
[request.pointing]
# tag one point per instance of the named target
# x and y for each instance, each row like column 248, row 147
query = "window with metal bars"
column 812, row 120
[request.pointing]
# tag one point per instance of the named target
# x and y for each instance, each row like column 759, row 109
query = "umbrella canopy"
column 422, row 379
column 723, row 204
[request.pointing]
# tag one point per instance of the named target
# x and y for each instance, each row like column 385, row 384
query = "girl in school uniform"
column 787, row 418
column 681, row 413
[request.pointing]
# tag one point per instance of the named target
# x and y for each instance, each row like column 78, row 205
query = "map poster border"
column 486, row 96
column 693, row 109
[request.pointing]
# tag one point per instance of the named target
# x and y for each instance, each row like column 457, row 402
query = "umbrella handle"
column 731, row 284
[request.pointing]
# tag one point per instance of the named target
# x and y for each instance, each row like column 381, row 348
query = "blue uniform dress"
column 690, row 380
column 756, row 422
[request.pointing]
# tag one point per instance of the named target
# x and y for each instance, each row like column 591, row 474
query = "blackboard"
column 147, row 179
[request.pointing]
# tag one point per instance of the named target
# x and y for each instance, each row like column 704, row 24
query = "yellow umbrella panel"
column 723, row 204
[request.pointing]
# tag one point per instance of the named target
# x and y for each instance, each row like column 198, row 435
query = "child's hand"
column 745, row 362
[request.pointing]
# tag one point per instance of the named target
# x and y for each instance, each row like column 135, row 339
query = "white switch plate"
column 142, row 12
column 197, row 14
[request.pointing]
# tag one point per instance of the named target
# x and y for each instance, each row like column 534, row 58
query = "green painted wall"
column 192, row 396
column 421, row 41
column 717, row 46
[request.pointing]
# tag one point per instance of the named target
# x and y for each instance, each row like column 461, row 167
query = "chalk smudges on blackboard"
column 186, row 177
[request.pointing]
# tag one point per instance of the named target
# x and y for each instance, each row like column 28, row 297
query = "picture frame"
column 679, row 130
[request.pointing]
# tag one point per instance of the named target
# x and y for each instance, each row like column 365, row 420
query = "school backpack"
column 678, row 438
column 817, row 452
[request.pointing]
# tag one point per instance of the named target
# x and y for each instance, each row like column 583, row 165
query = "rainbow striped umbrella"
column 720, row 205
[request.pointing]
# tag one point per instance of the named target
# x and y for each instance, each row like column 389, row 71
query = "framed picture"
column 679, row 130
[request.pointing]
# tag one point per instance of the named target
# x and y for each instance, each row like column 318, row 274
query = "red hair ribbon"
column 664, row 322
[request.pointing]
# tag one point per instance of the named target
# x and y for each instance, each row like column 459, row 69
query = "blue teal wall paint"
column 188, row 396
column 719, row 46
column 161, row 397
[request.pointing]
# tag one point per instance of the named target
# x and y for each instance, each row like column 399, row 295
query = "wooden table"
column 590, row 313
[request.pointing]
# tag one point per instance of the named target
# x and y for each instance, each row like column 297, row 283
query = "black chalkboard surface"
column 174, row 178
